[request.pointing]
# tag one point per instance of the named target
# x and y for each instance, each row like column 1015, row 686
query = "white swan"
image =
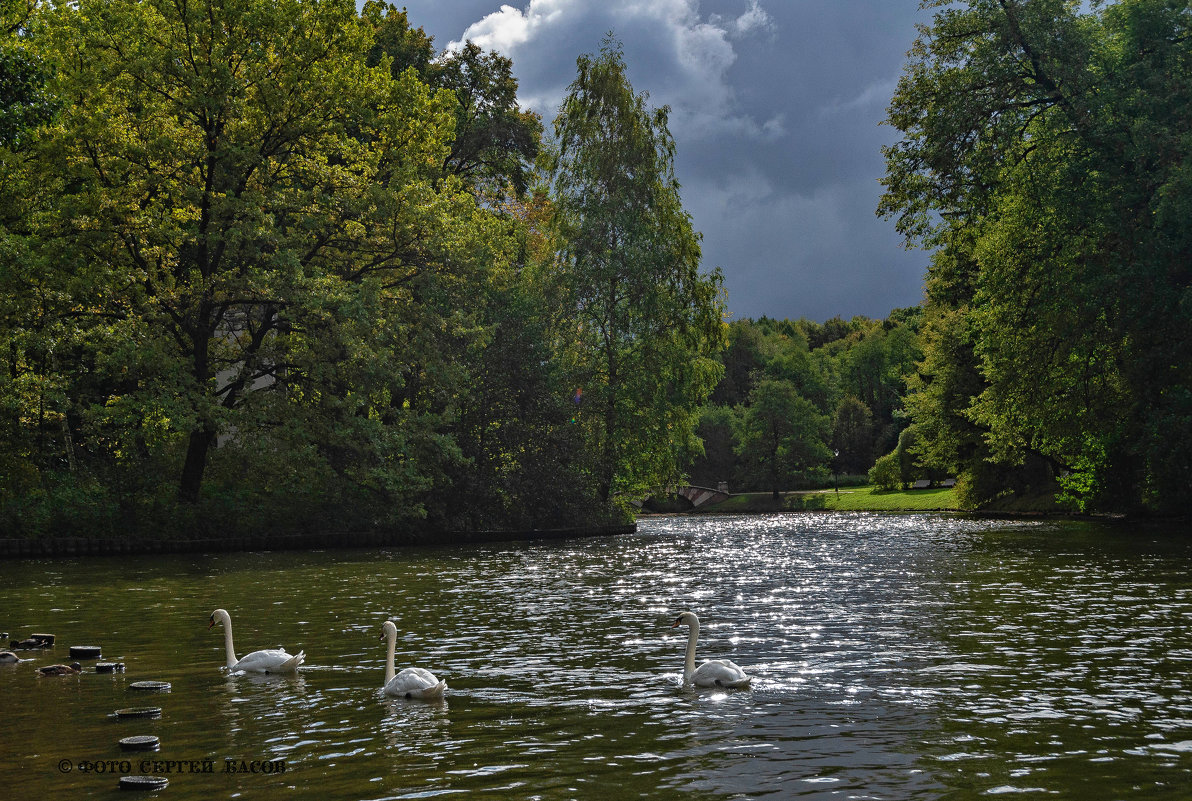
column 273, row 660
column 714, row 672
column 411, row 682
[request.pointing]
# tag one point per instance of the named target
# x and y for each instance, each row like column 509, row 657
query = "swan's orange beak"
column 675, row 625
column 212, row 623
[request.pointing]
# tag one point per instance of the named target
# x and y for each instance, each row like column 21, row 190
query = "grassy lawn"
column 851, row 499
column 748, row 502
column 871, row 499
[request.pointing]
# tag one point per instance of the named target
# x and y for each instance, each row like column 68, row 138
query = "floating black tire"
column 48, row 639
column 143, row 782
column 85, row 652
column 139, row 712
column 109, row 667
column 140, row 742
column 152, row 686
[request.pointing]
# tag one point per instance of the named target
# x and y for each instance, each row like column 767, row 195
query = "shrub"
column 885, row 473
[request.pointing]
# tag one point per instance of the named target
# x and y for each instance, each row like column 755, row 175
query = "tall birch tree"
column 641, row 321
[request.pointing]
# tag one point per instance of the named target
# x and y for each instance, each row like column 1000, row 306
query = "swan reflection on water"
column 251, row 698
column 292, row 681
column 265, row 694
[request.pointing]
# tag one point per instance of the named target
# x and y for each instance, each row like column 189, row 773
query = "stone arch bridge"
column 700, row 496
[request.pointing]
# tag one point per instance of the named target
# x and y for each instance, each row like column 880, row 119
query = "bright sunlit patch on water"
column 1182, row 747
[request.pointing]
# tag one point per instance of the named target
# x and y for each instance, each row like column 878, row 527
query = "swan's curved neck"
column 689, row 662
column 392, row 648
column 227, row 627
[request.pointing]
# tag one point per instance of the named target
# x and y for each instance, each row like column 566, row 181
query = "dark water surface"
column 895, row 657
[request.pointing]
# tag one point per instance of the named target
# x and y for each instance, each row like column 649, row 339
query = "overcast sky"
column 775, row 111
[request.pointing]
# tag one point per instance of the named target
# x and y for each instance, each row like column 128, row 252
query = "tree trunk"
column 607, row 470
column 196, row 463
column 608, row 454
column 775, row 473
column 202, row 437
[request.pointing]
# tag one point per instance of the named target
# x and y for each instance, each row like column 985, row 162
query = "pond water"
column 894, row 657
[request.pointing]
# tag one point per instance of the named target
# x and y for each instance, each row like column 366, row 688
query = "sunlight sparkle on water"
column 894, row 656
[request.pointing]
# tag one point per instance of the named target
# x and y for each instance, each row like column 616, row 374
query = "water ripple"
column 918, row 657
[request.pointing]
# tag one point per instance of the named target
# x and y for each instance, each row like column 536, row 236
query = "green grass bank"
column 850, row 499
column 871, row 499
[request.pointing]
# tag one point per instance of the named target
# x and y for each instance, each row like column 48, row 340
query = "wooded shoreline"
column 19, row 548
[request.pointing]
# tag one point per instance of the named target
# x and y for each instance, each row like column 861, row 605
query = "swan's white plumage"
column 411, row 682
column 270, row 660
column 712, row 673
column 719, row 673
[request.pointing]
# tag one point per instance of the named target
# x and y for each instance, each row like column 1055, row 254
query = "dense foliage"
column 275, row 263
column 1046, row 159
column 801, row 402
column 641, row 322
column 270, row 263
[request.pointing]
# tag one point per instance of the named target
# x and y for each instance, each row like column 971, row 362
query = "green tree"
column 1045, row 159
column 852, row 435
column 719, row 461
column 253, row 231
column 742, row 358
column 520, row 458
column 781, row 435
column 876, row 367
column 33, row 427
column 495, row 142
column 791, row 360
column 525, row 463
column 393, row 38
column 885, row 474
column 642, row 321
column 25, row 101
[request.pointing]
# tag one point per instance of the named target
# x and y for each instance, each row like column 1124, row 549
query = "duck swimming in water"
column 61, row 670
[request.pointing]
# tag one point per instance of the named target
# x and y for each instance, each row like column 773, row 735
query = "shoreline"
column 20, row 548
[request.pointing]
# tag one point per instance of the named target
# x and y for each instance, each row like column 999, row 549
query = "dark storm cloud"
column 775, row 106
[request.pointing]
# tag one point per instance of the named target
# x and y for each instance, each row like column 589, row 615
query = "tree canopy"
column 274, row 262
column 1045, row 158
column 641, row 322
column 799, row 401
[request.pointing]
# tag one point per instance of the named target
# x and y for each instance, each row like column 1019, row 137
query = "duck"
column 412, row 682
column 72, row 669
column 712, row 673
column 8, row 658
column 272, row 660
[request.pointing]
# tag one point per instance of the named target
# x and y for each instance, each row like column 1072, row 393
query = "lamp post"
column 835, row 486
